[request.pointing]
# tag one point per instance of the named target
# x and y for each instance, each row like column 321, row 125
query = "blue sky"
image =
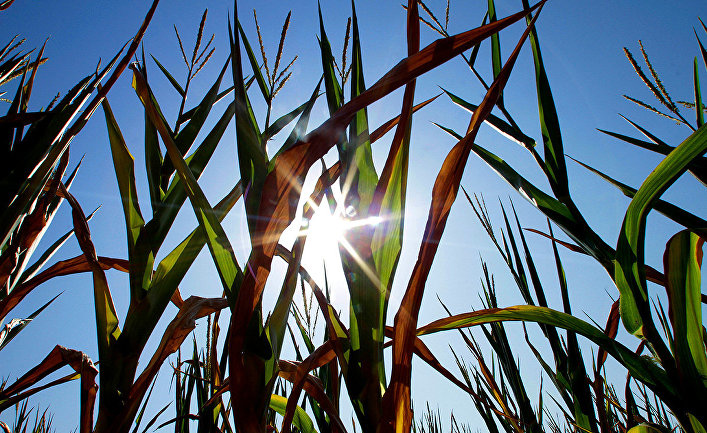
column 582, row 48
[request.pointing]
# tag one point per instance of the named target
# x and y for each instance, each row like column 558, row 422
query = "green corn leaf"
column 515, row 265
column 169, row 77
column 356, row 158
column 124, row 166
column 647, row 133
column 334, row 94
column 699, row 111
column 556, row 374
column 664, row 150
column 174, row 266
column 475, row 51
column 186, row 137
column 283, row 121
column 153, row 156
column 550, row 332
column 277, row 322
column 548, row 205
column 141, row 412
column 303, row 333
column 698, row 167
column 675, row 213
column 647, row 428
column 387, row 239
column 140, row 258
column 153, row 164
column 640, row 368
column 553, row 209
column 219, row 245
column 702, row 48
column 187, row 115
column 7, row 132
column 683, row 261
column 300, row 420
column 500, row 125
column 630, row 275
column 175, row 195
column 251, row 154
column 257, row 72
column 300, row 127
column 157, row 175
column 555, row 169
column 579, row 386
column 495, row 46
column 696, row 424
column 366, row 373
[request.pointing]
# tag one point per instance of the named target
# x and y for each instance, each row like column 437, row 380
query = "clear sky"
column 582, row 47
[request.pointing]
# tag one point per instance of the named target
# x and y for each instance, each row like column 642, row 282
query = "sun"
column 326, row 232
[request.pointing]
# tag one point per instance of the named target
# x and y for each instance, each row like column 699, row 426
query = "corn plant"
column 152, row 287
column 35, row 150
column 272, row 187
column 290, row 167
column 586, row 399
column 679, row 352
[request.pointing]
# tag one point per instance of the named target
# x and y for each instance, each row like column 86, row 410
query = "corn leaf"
column 57, row 358
column 65, row 267
column 300, row 128
column 640, row 368
column 189, row 113
column 334, row 94
column 124, row 166
column 169, row 77
column 153, row 159
column 629, row 274
column 252, row 158
column 13, row 328
column 683, row 261
column 500, row 125
column 175, row 195
column 366, row 374
column 698, row 167
column 675, row 213
column 396, row 402
column 285, row 120
column 554, row 155
column 358, row 172
column 699, row 111
column 300, row 418
column 257, row 72
column 219, row 246
column 174, row 266
column 496, row 63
